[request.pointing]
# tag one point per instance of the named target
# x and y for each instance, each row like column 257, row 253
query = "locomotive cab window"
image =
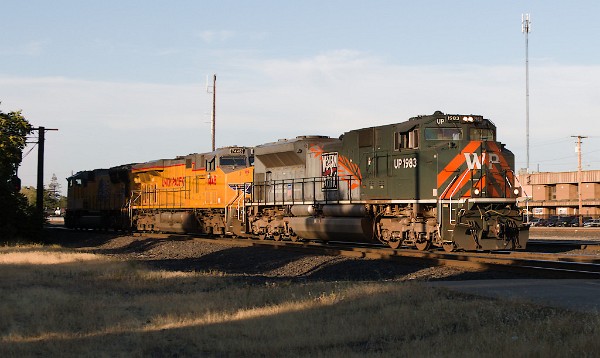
column 210, row 165
column 234, row 161
column 443, row 133
column 406, row 140
column 481, row 134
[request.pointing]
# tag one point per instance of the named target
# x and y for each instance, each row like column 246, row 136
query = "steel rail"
column 553, row 265
column 546, row 264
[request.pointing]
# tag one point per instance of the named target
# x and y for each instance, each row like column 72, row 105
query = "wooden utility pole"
column 579, row 177
column 214, row 106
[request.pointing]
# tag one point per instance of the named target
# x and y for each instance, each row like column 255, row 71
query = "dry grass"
column 61, row 303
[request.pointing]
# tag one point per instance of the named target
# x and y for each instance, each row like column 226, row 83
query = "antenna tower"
column 526, row 28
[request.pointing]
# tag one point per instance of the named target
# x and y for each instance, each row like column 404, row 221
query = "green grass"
column 62, row 303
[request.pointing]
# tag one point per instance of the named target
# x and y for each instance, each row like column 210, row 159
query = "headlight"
column 476, row 191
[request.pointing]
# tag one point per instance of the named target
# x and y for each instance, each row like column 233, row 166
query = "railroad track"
column 563, row 245
column 544, row 264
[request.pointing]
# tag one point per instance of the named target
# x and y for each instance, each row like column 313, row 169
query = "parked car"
column 563, row 221
column 592, row 223
column 551, row 221
column 587, row 221
column 568, row 221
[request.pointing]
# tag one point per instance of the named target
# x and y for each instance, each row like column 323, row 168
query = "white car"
column 592, row 223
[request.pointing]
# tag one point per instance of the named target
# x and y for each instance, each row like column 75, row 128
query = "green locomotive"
column 438, row 180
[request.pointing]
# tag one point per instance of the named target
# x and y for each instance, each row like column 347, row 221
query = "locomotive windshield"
column 482, row 134
column 237, row 161
column 443, row 133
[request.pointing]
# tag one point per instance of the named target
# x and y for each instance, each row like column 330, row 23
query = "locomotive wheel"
column 276, row 236
column 262, row 236
column 449, row 246
column 423, row 244
column 394, row 244
column 294, row 238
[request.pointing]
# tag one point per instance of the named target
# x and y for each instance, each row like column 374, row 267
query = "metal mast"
column 526, row 28
column 578, row 149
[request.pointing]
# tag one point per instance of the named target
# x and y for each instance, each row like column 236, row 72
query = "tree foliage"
column 52, row 197
column 17, row 218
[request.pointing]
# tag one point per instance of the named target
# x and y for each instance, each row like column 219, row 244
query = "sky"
column 126, row 81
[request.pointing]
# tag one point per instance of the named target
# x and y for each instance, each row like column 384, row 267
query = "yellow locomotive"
column 200, row 193
column 96, row 199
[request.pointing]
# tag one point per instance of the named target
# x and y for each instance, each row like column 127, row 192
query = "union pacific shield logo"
column 479, row 165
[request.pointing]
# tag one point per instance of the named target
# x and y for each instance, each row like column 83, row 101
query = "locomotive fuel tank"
column 353, row 229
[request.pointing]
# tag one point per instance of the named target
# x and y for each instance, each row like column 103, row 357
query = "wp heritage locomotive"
column 433, row 181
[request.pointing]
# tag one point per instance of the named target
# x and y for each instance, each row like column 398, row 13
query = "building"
column 556, row 193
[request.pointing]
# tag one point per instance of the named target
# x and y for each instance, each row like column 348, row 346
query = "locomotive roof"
column 223, row 151
column 301, row 138
column 423, row 119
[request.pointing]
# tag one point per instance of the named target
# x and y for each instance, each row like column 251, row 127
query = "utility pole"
column 578, row 150
column 214, row 98
column 526, row 28
column 39, row 204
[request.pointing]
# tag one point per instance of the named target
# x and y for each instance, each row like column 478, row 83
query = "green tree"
column 52, row 197
column 30, row 193
column 52, row 194
column 17, row 218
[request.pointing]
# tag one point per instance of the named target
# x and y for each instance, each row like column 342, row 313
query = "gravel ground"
column 255, row 264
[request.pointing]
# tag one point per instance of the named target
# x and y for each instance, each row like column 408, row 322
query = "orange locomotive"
column 199, row 193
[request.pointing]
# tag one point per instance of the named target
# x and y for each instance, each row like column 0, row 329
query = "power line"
column 30, row 150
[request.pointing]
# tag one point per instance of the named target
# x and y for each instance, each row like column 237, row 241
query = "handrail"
column 440, row 211
column 453, row 221
column 277, row 188
column 230, row 203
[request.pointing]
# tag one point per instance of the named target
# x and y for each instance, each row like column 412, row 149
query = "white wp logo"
column 474, row 161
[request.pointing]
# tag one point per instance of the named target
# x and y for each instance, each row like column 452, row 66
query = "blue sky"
column 125, row 81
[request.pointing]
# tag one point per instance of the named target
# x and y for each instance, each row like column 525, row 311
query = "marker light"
column 476, row 191
column 517, row 191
